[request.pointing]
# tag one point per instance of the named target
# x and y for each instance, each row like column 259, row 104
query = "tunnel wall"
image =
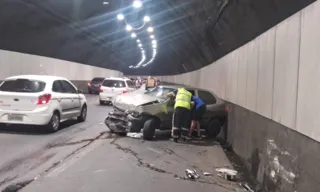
column 272, row 84
column 14, row 63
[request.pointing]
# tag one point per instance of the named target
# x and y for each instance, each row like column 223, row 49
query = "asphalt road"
column 27, row 152
column 85, row 157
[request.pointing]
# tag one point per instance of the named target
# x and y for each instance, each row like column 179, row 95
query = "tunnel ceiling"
column 190, row 34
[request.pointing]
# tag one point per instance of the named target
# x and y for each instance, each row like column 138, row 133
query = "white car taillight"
column 44, row 99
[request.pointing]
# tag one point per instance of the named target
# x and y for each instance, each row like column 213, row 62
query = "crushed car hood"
column 130, row 100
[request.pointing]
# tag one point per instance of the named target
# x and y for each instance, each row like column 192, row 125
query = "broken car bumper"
column 121, row 122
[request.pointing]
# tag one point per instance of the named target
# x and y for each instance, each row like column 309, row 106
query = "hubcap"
column 55, row 122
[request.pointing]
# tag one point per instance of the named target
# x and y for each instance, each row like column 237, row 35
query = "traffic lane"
column 125, row 164
column 27, row 150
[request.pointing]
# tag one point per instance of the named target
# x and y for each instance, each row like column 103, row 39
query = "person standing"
column 197, row 113
column 181, row 115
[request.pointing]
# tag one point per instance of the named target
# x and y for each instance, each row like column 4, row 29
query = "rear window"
column 97, row 80
column 130, row 84
column 23, row 85
column 113, row 83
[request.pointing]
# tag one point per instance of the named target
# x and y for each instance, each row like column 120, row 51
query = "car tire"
column 214, row 127
column 149, row 128
column 101, row 102
column 54, row 123
column 83, row 114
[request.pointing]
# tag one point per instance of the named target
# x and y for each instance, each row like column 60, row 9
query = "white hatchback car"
column 40, row 100
column 112, row 87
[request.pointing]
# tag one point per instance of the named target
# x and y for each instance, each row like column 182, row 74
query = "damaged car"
column 152, row 110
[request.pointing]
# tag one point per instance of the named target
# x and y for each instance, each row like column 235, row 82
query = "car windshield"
column 160, row 91
column 113, row 83
column 23, row 85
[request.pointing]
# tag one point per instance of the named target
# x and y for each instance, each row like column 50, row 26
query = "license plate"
column 15, row 117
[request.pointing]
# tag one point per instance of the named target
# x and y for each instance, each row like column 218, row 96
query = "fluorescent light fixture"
column 150, row 29
column 137, row 4
column 154, row 42
column 140, row 45
column 146, row 19
column 105, row 3
column 130, row 66
column 154, row 46
column 138, row 40
column 152, row 36
column 120, row 17
column 128, row 28
column 133, row 35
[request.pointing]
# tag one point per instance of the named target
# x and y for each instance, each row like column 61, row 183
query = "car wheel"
column 214, row 128
column 101, row 102
column 54, row 123
column 149, row 128
column 83, row 114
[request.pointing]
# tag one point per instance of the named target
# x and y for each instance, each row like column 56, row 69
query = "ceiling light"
column 154, row 42
column 130, row 66
column 120, row 17
column 154, row 46
column 150, row 29
column 137, row 4
column 133, row 35
column 140, row 45
column 128, row 28
column 105, row 3
column 138, row 40
column 146, row 18
column 152, row 36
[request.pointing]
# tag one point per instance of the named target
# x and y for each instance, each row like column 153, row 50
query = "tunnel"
column 259, row 56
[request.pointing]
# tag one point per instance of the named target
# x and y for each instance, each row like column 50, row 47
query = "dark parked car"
column 94, row 85
column 151, row 110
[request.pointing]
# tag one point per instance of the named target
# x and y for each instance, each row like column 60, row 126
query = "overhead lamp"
column 154, row 46
column 133, row 35
column 154, row 42
column 138, row 40
column 105, row 3
column 137, row 4
column 128, row 27
column 130, row 66
column 152, row 36
column 146, row 19
column 120, row 17
column 140, row 45
column 150, row 29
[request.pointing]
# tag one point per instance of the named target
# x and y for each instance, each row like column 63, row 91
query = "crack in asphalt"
column 19, row 185
column 142, row 163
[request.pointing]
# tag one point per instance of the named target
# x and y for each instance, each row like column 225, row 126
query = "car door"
column 61, row 97
column 71, row 93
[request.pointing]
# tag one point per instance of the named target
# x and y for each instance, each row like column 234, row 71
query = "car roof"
column 116, row 78
column 37, row 77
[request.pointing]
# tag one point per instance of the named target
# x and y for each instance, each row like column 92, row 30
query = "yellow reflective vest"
column 183, row 99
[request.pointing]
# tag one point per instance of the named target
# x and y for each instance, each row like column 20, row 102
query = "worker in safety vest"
column 181, row 115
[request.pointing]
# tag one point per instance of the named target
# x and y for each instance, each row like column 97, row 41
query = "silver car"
column 151, row 110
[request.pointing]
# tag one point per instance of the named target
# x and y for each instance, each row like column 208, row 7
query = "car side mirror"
column 79, row 91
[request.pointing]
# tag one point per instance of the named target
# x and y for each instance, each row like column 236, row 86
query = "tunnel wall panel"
column 286, row 71
column 278, row 137
column 14, row 63
column 308, row 114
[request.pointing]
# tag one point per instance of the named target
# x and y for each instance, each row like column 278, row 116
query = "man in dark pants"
column 197, row 113
column 181, row 115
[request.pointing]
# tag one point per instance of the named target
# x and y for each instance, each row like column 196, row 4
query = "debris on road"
column 228, row 174
column 207, row 174
column 135, row 135
column 191, row 174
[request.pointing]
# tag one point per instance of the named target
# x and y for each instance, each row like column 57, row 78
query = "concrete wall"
column 273, row 84
column 13, row 63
